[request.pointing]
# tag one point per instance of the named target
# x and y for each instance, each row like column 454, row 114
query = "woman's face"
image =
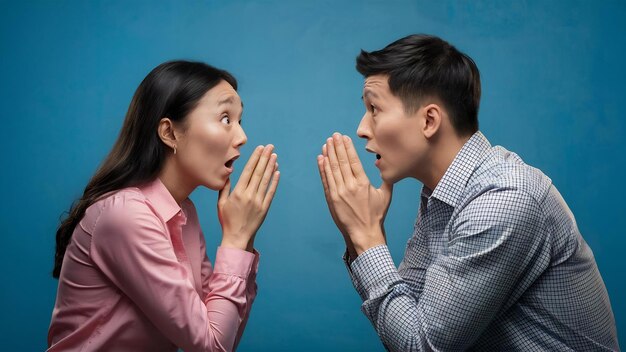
column 210, row 138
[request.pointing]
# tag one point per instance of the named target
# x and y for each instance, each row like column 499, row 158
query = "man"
column 496, row 261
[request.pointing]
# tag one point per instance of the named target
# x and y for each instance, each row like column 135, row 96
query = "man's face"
column 390, row 132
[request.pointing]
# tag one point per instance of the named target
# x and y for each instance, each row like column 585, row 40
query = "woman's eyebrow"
column 228, row 101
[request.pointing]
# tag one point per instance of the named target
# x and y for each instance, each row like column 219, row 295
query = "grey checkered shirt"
column 496, row 262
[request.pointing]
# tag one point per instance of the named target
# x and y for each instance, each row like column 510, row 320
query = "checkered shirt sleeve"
column 481, row 250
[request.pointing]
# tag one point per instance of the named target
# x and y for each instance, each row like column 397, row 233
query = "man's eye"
column 226, row 120
column 373, row 108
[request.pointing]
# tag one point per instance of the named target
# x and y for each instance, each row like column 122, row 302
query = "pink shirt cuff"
column 236, row 262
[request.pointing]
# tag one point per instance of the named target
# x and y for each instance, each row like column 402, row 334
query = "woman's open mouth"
column 230, row 162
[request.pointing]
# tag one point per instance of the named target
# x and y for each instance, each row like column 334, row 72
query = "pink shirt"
column 136, row 277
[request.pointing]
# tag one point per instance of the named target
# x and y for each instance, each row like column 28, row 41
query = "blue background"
column 553, row 88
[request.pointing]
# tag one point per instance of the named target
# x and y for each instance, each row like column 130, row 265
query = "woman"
column 131, row 259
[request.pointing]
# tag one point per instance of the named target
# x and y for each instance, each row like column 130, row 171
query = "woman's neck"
column 175, row 182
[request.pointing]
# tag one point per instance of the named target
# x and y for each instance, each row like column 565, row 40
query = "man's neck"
column 443, row 154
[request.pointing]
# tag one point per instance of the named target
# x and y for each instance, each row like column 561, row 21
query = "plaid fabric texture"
column 495, row 262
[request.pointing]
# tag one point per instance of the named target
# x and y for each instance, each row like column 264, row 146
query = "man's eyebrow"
column 368, row 93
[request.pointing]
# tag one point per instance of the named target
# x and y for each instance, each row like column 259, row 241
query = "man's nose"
column 364, row 131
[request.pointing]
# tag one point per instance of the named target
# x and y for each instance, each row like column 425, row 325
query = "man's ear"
column 432, row 115
column 166, row 132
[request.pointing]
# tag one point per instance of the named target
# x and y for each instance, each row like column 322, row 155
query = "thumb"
column 224, row 192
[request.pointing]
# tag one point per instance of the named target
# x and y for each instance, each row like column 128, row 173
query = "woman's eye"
column 373, row 108
column 226, row 120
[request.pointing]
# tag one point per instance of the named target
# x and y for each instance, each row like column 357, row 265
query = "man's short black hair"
column 421, row 66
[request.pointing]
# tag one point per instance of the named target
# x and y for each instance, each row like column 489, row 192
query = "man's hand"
column 357, row 208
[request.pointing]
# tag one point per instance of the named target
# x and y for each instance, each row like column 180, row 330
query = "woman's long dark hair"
column 171, row 90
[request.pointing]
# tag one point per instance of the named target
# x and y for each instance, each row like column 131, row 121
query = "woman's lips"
column 229, row 168
column 229, row 164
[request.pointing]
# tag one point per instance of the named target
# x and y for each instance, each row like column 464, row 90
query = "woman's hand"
column 242, row 211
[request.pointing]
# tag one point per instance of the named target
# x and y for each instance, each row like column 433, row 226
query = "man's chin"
column 391, row 179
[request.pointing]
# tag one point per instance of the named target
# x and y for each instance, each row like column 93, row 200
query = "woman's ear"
column 432, row 115
column 166, row 133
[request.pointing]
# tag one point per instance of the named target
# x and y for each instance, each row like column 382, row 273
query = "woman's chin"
column 216, row 185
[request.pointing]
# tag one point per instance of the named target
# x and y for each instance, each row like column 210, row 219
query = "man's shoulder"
column 501, row 169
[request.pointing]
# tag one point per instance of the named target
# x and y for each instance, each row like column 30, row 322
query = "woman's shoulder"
column 117, row 206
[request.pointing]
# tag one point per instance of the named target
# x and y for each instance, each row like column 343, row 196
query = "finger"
column 353, row 157
column 269, row 196
column 267, row 175
column 342, row 158
column 259, row 170
column 320, row 164
column 325, row 181
column 224, row 193
column 320, row 167
column 334, row 163
column 330, row 180
column 244, row 179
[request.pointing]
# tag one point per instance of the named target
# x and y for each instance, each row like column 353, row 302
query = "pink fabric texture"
column 136, row 277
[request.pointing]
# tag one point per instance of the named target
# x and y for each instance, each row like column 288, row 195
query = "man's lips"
column 378, row 156
column 369, row 150
column 377, row 162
